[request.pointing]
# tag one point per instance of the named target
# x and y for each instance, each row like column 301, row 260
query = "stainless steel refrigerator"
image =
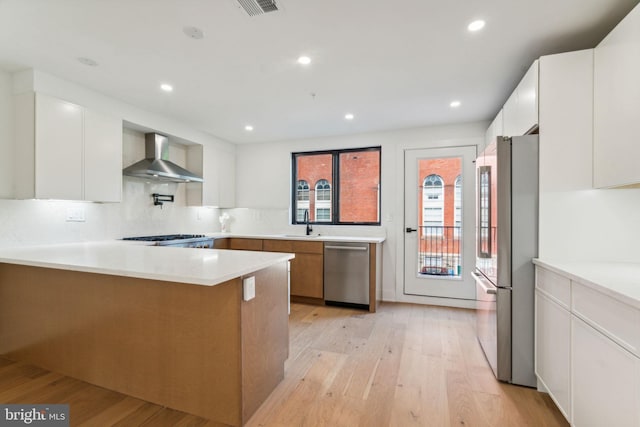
column 507, row 241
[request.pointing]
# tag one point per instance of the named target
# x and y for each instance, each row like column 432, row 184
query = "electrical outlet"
column 75, row 214
column 249, row 288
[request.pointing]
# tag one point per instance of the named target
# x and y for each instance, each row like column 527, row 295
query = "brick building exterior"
column 448, row 169
column 359, row 186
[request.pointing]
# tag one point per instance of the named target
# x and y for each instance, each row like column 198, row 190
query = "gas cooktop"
column 165, row 237
column 178, row 240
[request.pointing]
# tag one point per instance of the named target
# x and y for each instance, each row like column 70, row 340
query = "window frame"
column 335, row 185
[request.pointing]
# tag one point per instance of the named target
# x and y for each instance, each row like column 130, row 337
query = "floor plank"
column 406, row 365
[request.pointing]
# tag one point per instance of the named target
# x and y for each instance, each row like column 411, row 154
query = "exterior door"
column 439, row 222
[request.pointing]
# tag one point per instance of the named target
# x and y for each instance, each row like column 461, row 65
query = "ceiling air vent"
column 258, row 7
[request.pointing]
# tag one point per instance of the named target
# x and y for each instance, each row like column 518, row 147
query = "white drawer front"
column 554, row 285
column 617, row 320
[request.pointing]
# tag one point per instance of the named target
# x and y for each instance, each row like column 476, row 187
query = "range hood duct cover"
column 258, row 7
column 156, row 165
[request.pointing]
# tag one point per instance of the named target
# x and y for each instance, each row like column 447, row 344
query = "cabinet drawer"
column 615, row 319
column 277, row 245
column 221, row 244
column 245, row 244
column 308, row 247
column 554, row 285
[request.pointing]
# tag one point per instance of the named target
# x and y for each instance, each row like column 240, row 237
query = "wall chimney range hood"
column 156, row 165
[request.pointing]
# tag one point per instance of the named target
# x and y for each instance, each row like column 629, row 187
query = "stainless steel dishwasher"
column 346, row 274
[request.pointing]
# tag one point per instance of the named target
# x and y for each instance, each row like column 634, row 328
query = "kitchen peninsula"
column 174, row 326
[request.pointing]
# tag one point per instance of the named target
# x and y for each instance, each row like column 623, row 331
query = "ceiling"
column 393, row 64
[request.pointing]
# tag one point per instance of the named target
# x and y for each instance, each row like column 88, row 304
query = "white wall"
column 263, row 177
column 576, row 221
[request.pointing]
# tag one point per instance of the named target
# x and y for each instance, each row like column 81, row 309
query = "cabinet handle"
column 347, row 248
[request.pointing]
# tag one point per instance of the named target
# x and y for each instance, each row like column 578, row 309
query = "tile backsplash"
column 24, row 222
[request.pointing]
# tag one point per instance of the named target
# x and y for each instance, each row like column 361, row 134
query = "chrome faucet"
column 306, row 221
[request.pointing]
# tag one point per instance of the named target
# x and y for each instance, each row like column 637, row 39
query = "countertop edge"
column 210, row 279
column 312, row 238
column 572, row 269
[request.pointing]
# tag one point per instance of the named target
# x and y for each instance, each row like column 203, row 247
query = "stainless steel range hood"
column 156, row 165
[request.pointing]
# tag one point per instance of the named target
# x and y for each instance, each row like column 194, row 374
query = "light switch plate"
column 249, row 288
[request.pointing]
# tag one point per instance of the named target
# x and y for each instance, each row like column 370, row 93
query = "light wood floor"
column 406, row 365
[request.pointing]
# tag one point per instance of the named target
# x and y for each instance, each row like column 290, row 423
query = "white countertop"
column 131, row 259
column 616, row 279
column 312, row 238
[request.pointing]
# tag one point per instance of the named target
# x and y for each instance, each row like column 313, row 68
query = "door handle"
column 409, row 229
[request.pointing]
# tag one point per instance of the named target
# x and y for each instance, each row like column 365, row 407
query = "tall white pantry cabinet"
column 66, row 151
column 616, row 94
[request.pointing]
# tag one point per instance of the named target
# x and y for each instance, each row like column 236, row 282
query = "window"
column 457, row 205
column 323, row 201
column 433, row 204
column 302, row 198
column 346, row 189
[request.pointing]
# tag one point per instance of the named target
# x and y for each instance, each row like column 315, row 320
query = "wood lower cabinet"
column 197, row 349
column 245, row 244
column 307, row 268
column 221, row 243
column 307, row 275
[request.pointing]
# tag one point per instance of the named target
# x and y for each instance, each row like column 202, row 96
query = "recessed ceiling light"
column 248, row 128
column 166, row 87
column 304, row 60
column 476, row 25
column 349, row 116
column 455, row 104
column 87, row 61
column 193, row 32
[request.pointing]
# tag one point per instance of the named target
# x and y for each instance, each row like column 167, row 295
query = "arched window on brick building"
column 433, row 205
column 302, row 199
column 323, row 201
column 457, row 206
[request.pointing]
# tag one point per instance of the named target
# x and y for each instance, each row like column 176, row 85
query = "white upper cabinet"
column 520, row 112
column 65, row 151
column 217, row 168
column 495, row 130
column 616, row 152
column 226, row 179
column 566, row 111
column 102, row 157
column 58, row 149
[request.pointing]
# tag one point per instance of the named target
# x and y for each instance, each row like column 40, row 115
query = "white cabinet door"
column 217, row 167
column 58, row 149
column 616, row 118
column 495, row 130
column 553, row 340
column 520, row 112
column 566, row 109
column 102, row 157
column 226, row 179
column 605, row 380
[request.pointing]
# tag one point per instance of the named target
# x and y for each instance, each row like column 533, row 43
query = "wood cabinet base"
column 198, row 349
